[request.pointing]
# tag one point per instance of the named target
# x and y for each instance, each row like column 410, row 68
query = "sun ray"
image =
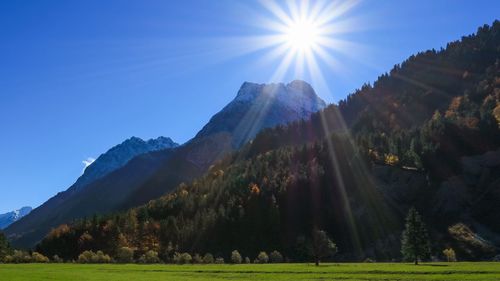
column 335, row 10
column 282, row 68
column 277, row 11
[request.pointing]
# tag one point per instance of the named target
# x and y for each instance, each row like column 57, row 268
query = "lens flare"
column 306, row 36
column 302, row 36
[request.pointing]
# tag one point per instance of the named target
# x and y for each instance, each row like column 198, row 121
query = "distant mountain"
column 10, row 217
column 38, row 222
column 150, row 175
column 119, row 155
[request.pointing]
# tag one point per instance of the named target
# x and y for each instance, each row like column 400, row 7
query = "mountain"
column 39, row 221
column 119, row 155
column 10, row 217
column 151, row 175
column 255, row 107
column 260, row 106
column 424, row 135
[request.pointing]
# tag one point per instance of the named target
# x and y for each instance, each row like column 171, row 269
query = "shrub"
column 18, row 257
column 275, row 257
column 197, row 258
column 208, row 258
column 235, row 257
column 247, row 260
column 186, row 258
column 322, row 246
column 100, row 257
column 262, row 258
column 219, row 260
column 39, row 258
column 450, row 255
column 91, row 257
column 149, row 257
column 8, row 259
column 183, row 258
column 57, row 259
column 177, row 258
column 85, row 257
column 125, row 255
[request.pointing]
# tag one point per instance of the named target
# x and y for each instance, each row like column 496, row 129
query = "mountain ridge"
column 151, row 175
column 8, row 218
column 106, row 163
column 425, row 135
column 119, row 155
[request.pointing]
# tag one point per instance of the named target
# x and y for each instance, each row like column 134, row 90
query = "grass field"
column 342, row 271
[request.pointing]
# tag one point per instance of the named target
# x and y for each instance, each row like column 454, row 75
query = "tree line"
column 415, row 246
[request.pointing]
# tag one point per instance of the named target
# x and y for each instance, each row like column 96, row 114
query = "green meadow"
column 331, row 271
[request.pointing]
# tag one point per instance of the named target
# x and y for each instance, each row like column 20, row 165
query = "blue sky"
column 77, row 77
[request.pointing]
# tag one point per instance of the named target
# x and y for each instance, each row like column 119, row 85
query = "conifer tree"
column 414, row 241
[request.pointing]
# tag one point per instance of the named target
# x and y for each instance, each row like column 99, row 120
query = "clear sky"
column 77, row 77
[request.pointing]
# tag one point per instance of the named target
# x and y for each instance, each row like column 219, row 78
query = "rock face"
column 119, row 155
column 463, row 206
column 150, row 175
column 469, row 242
column 259, row 106
column 10, row 217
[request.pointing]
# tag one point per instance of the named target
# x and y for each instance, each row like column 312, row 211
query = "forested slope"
column 426, row 135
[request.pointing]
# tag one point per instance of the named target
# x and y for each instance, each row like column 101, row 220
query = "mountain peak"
column 259, row 106
column 133, row 139
column 302, row 86
column 10, row 217
column 296, row 88
column 161, row 142
column 119, row 155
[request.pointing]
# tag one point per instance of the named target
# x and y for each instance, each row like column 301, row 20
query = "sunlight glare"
column 302, row 35
column 307, row 32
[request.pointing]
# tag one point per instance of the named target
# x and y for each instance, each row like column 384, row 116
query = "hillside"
column 426, row 135
column 150, row 175
column 31, row 228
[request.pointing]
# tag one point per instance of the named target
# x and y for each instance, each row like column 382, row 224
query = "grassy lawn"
column 342, row 271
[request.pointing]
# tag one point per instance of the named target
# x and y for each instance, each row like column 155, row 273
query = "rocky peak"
column 119, row 155
column 10, row 217
column 297, row 88
column 258, row 106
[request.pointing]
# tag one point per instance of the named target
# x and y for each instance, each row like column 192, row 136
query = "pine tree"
column 415, row 242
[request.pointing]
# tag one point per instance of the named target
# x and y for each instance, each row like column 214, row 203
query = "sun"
column 301, row 38
column 302, row 35
column 305, row 35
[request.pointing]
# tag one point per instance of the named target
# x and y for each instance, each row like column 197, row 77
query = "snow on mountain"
column 10, row 217
column 259, row 106
column 119, row 155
